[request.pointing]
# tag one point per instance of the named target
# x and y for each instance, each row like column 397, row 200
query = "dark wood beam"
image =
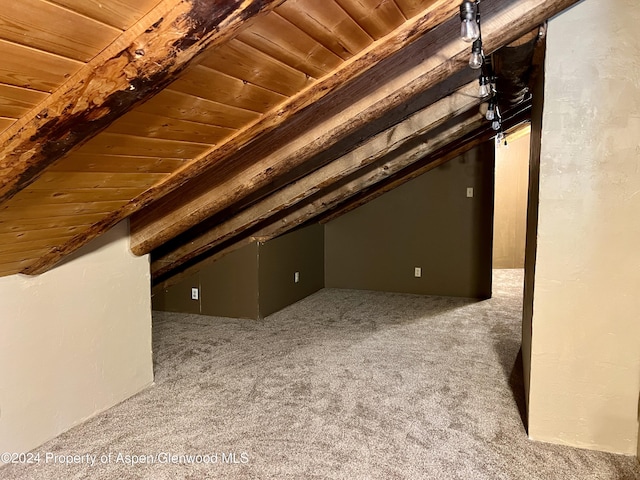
column 503, row 22
column 139, row 64
column 516, row 117
column 438, row 11
column 374, row 149
column 325, row 201
column 194, row 203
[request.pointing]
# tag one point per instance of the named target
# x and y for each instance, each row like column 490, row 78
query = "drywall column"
column 74, row 341
column 585, row 352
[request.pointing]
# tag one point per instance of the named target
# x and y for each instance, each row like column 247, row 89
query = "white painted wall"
column 585, row 351
column 74, row 341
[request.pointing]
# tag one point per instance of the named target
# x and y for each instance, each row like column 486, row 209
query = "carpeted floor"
column 344, row 384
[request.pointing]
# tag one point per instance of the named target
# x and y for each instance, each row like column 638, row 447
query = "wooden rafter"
column 323, row 178
column 152, row 227
column 323, row 202
column 504, row 22
column 449, row 152
column 439, row 11
column 139, row 64
column 326, row 200
column 507, row 19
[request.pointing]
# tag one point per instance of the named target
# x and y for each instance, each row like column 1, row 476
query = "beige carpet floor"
column 342, row 385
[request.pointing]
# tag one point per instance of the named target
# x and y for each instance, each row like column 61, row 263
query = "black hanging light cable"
column 471, row 32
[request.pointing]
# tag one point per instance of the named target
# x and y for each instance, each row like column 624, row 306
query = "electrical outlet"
column 296, row 277
column 469, row 192
column 417, row 272
column 195, row 293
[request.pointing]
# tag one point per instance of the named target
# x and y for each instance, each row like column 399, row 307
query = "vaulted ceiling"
column 215, row 123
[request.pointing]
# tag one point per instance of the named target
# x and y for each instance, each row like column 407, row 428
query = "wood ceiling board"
column 365, row 99
column 29, row 68
column 12, row 257
column 43, row 234
column 328, row 24
column 12, row 268
column 121, row 14
column 204, row 82
column 249, row 64
column 366, row 154
column 23, row 248
column 283, row 41
column 51, row 28
column 155, row 126
column 30, row 197
column 16, row 101
column 411, row 8
column 45, row 212
column 181, row 106
column 77, row 162
column 376, row 17
column 36, row 224
column 128, row 145
column 6, row 123
column 142, row 61
column 75, row 180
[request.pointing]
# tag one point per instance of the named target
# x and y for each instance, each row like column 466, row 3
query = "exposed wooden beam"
column 326, row 201
column 428, row 162
column 153, row 227
column 366, row 154
column 449, row 152
column 139, row 64
column 503, row 22
column 439, row 11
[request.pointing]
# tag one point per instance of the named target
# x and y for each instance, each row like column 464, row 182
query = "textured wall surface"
column 75, row 341
column 299, row 251
column 585, row 359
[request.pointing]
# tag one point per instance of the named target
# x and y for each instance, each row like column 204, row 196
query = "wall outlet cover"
column 195, row 293
column 417, row 272
column 296, row 277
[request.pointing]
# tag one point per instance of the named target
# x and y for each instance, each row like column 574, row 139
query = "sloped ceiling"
column 213, row 123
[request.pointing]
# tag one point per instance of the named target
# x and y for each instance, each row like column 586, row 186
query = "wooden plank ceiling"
column 217, row 122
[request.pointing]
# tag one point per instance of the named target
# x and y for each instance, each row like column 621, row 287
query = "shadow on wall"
column 506, row 348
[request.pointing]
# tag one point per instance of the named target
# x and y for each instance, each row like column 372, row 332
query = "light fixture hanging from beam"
column 471, row 31
column 470, row 27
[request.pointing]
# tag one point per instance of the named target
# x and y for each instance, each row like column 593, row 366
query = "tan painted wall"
column 177, row 298
column 74, row 341
column 510, row 212
column 229, row 286
column 429, row 223
column 585, row 359
column 300, row 251
column 253, row 281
